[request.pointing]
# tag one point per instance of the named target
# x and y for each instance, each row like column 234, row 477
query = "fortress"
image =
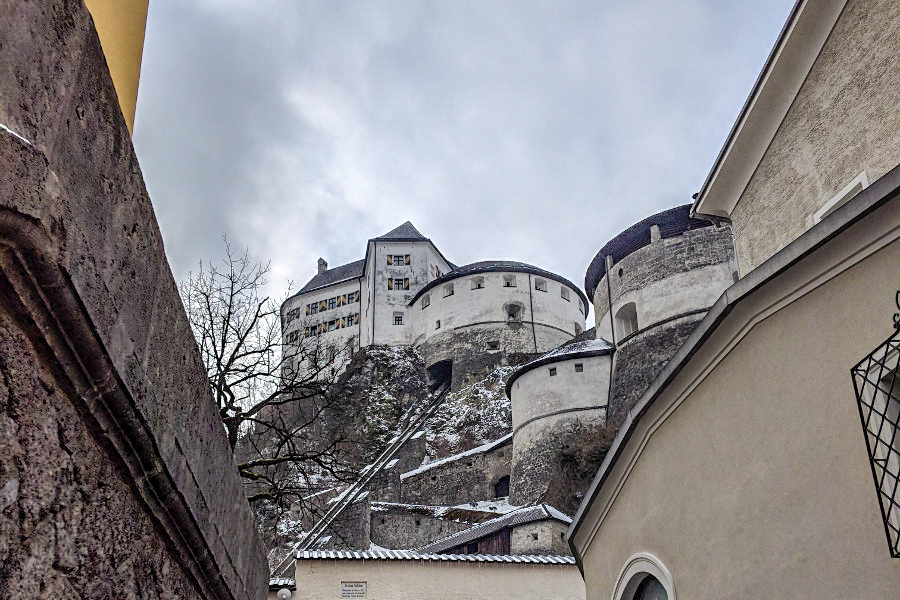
column 650, row 285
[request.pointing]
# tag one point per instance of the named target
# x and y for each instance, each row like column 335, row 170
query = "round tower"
column 550, row 398
column 650, row 286
column 487, row 314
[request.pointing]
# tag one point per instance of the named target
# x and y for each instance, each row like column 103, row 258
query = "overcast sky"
column 530, row 131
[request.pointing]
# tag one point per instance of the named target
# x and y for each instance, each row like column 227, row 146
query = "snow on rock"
column 470, row 417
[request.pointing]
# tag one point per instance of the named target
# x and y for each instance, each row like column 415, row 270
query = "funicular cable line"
column 352, row 493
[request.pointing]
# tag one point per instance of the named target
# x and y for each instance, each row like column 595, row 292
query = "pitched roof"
column 411, row 555
column 527, row 514
column 334, row 275
column 406, row 233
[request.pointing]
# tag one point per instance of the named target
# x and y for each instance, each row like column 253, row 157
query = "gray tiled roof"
column 405, row 232
column 527, row 514
column 411, row 555
column 277, row 583
column 334, row 275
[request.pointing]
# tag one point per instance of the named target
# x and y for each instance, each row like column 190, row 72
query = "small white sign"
column 353, row 589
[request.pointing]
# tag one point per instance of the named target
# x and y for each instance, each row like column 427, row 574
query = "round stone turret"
column 550, row 397
column 650, row 286
column 487, row 314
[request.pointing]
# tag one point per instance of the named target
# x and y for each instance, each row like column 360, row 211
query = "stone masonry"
column 116, row 479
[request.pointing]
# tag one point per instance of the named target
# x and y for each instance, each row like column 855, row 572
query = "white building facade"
column 406, row 293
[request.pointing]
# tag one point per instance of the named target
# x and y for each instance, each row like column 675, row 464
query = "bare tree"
column 283, row 405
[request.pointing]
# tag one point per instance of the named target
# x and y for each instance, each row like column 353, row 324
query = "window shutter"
column 406, row 283
column 390, row 259
column 357, row 296
column 390, row 284
column 406, row 260
column 307, row 310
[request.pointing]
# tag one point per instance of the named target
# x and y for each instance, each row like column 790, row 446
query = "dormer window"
column 509, row 281
column 478, row 283
column 540, row 285
column 448, row 290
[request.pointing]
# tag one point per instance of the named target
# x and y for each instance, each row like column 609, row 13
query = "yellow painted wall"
column 120, row 25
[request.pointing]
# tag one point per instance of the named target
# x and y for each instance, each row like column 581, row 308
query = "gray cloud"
column 532, row 131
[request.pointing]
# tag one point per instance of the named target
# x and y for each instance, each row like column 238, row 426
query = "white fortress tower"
column 466, row 320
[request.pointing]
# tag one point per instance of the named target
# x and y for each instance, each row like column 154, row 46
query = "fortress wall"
column 640, row 358
column 399, row 528
column 115, row 475
column 545, row 410
column 467, row 479
column 668, row 277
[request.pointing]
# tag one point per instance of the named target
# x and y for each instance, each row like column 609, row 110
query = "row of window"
column 509, row 281
column 323, row 305
column 579, row 368
column 322, row 327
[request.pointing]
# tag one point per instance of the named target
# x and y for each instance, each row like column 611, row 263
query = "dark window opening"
column 579, row 367
column 440, row 374
column 552, row 371
column 493, row 345
column 501, row 488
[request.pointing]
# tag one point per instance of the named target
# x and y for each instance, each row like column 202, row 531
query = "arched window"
column 644, row 577
column 626, row 320
column 513, row 312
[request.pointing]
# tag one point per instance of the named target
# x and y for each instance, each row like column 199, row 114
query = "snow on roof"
column 469, row 512
column 477, row 450
column 521, row 516
column 568, row 351
column 412, row 555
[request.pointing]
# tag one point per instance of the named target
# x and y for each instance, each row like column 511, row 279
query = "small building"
column 399, row 575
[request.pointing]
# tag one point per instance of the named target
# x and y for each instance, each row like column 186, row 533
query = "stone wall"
column 541, row 538
column 401, row 527
column 117, row 479
column 668, row 277
column 467, row 478
column 640, row 358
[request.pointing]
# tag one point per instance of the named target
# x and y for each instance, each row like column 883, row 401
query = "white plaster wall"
column 439, row 580
column 487, row 305
column 337, row 335
column 666, row 298
column 535, row 393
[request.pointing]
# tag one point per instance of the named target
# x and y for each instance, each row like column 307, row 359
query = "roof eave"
column 887, row 188
column 798, row 45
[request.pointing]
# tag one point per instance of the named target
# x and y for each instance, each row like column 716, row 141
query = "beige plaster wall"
column 439, row 580
column 843, row 121
column 758, row 484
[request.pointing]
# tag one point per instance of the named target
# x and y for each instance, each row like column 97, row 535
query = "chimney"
column 655, row 235
column 323, row 265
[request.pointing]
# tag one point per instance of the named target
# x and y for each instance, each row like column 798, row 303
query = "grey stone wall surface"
column 468, row 479
column 536, row 461
column 147, row 470
column 669, row 256
column 467, row 347
column 400, row 528
column 640, row 358
column 541, row 538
